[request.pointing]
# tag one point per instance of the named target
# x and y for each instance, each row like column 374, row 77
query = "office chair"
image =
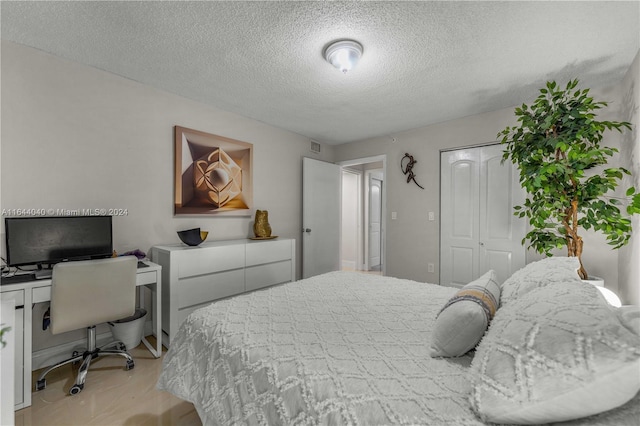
column 84, row 294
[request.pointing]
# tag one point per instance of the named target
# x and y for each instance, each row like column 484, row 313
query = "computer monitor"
column 44, row 241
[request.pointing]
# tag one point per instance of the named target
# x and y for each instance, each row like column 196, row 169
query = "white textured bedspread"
column 340, row 348
column 337, row 349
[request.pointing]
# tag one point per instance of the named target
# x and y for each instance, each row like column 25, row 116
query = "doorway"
column 362, row 212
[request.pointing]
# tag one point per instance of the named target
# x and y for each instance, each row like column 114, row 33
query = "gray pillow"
column 548, row 271
column 556, row 353
column 464, row 319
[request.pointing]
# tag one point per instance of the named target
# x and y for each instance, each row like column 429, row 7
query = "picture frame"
column 212, row 174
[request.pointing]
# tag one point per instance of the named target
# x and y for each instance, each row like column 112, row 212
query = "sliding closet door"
column 478, row 229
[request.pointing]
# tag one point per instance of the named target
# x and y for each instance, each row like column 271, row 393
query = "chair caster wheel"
column 130, row 365
column 41, row 384
column 75, row 389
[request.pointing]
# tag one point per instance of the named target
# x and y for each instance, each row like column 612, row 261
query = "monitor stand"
column 43, row 273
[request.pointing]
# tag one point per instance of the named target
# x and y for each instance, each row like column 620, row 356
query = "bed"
column 347, row 348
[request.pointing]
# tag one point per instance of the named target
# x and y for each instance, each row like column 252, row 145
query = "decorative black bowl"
column 192, row 237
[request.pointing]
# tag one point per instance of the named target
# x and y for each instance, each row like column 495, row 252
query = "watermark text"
column 30, row 212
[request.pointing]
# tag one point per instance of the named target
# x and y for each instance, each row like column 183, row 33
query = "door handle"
column 307, row 230
column 481, row 244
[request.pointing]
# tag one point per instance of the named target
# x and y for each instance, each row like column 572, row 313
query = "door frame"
column 383, row 225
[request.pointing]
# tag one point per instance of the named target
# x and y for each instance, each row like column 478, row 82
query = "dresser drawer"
column 206, row 288
column 267, row 252
column 207, row 260
column 265, row 275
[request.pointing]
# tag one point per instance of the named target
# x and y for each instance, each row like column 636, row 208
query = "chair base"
column 86, row 357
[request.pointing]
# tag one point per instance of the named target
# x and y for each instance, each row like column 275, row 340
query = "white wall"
column 629, row 259
column 412, row 240
column 76, row 137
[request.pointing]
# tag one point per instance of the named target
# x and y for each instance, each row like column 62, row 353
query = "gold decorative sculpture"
column 261, row 226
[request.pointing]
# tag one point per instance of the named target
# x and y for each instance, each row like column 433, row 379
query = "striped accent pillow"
column 464, row 319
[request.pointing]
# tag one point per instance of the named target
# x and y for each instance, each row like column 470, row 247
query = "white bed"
column 337, row 349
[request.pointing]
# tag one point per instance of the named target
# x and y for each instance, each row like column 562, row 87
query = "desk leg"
column 28, row 348
column 157, row 318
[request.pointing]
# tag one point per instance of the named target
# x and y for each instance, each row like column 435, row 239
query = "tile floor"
column 111, row 396
column 375, row 271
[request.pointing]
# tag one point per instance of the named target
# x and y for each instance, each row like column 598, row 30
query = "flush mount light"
column 343, row 54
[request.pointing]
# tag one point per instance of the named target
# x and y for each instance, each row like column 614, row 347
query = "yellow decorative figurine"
column 261, row 226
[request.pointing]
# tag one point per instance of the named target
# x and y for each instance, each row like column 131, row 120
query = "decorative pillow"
column 551, row 270
column 464, row 319
column 556, row 353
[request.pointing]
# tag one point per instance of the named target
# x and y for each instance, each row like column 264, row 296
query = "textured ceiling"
column 423, row 62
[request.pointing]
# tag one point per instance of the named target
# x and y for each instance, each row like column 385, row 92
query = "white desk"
column 7, row 364
column 25, row 294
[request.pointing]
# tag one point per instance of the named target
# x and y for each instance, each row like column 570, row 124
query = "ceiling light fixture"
column 343, row 54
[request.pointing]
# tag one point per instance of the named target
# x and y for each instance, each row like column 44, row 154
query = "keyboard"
column 21, row 278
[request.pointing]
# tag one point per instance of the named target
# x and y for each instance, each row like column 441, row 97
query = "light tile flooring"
column 371, row 272
column 111, row 396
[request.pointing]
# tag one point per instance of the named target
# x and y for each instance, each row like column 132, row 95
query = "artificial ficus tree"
column 562, row 163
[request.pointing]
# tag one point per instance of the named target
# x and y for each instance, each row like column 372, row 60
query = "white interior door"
column 478, row 229
column 351, row 221
column 459, row 203
column 500, row 231
column 321, row 193
column 375, row 218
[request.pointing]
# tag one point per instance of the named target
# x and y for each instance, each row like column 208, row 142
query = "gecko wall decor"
column 407, row 168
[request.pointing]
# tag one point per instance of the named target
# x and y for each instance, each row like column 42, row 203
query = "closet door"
column 459, row 204
column 500, row 232
column 478, row 229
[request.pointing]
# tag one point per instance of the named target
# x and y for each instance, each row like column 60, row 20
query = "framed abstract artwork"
column 213, row 174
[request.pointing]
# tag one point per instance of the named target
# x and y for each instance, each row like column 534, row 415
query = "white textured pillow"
column 556, row 353
column 464, row 319
column 551, row 270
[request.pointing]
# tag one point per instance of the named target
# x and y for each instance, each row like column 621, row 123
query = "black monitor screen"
column 48, row 240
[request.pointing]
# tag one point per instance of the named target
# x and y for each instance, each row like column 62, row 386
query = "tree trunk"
column 574, row 241
column 581, row 272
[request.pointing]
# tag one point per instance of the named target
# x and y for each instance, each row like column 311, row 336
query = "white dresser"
column 193, row 277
